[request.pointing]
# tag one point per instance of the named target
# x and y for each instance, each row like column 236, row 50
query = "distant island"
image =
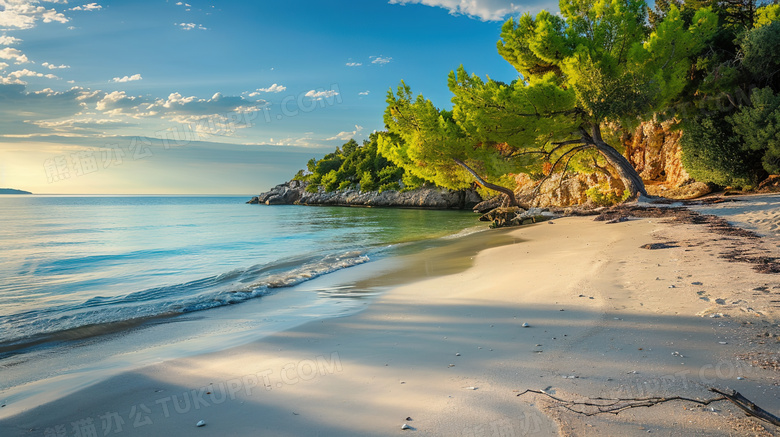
column 13, row 191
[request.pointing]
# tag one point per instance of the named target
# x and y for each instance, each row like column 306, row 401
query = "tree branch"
column 552, row 169
column 509, row 193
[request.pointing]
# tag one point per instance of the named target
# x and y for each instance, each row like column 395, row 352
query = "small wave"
column 465, row 232
column 21, row 329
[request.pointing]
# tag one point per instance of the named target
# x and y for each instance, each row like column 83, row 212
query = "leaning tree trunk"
column 627, row 173
column 509, row 193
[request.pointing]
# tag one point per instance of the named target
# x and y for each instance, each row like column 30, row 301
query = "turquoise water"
column 69, row 262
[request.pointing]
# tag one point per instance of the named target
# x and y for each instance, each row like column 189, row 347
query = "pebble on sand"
column 201, row 423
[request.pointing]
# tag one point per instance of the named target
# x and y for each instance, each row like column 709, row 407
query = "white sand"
column 606, row 319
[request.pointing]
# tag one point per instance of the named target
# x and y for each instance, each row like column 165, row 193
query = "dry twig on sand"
column 599, row 405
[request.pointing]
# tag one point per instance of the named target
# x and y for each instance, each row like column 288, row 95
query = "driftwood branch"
column 748, row 407
column 615, row 406
column 599, row 405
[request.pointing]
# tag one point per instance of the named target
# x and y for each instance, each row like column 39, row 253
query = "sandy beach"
column 574, row 307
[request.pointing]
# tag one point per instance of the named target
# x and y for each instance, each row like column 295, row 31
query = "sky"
column 208, row 97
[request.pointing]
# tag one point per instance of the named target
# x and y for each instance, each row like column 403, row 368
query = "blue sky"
column 169, row 97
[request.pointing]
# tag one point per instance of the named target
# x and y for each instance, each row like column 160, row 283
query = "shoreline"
column 606, row 317
column 31, row 377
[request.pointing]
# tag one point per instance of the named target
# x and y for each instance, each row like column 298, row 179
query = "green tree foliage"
column 767, row 14
column 713, row 153
column 355, row 166
column 760, row 49
column 736, row 141
column 758, row 126
column 430, row 145
column 595, row 62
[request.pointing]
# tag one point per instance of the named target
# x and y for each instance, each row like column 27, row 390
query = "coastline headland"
column 294, row 193
column 13, row 191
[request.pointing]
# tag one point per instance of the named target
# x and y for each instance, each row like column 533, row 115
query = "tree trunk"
column 626, row 171
column 509, row 193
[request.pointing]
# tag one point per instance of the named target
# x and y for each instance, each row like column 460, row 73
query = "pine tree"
column 597, row 62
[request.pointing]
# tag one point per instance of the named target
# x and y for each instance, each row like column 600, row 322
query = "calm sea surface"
column 75, row 262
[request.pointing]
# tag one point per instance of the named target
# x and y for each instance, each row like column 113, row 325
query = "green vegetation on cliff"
column 354, row 166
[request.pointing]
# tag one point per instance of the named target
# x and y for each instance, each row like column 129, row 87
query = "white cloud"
column 14, row 54
column 9, row 40
column 485, row 10
column 87, row 7
column 186, row 5
column 23, row 14
column 345, row 136
column 79, row 124
column 275, row 88
column 319, row 95
column 116, row 102
column 54, row 67
column 354, row 64
column 364, row 93
column 306, row 141
column 14, row 77
column 381, row 60
column 176, row 107
column 80, row 110
column 3, row 65
column 43, row 105
column 190, row 26
column 127, row 78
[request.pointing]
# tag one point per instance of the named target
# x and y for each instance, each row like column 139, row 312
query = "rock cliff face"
column 653, row 149
column 655, row 152
column 294, row 192
column 565, row 190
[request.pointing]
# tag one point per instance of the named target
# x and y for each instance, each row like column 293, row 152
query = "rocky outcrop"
column 568, row 189
column 653, row 148
column 516, row 216
column 283, row 194
column 294, row 192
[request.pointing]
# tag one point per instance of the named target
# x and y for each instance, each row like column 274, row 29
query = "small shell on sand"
column 525, row 325
column 201, row 423
column 405, row 426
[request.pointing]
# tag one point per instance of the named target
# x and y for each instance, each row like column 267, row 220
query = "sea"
column 91, row 286
column 70, row 262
